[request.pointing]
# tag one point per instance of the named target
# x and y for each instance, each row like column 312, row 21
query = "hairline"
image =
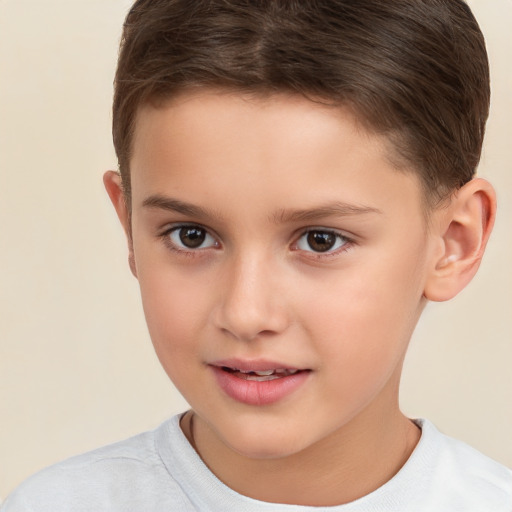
column 429, row 202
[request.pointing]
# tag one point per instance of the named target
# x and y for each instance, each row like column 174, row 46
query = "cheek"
column 362, row 321
column 174, row 307
column 360, row 349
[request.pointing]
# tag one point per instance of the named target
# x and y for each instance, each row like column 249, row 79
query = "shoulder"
column 464, row 474
column 128, row 475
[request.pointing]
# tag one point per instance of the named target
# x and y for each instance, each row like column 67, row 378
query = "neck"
column 348, row 464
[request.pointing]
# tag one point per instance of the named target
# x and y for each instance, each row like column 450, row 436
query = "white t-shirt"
column 159, row 471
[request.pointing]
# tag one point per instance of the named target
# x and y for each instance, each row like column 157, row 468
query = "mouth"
column 258, row 383
column 261, row 375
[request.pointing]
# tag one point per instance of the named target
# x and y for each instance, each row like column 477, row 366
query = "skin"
column 259, row 174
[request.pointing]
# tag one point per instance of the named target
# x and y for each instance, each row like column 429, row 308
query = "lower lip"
column 253, row 392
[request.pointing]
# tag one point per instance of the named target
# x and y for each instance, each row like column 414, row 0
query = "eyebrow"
column 175, row 205
column 336, row 209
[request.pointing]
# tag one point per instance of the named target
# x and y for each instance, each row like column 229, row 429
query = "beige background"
column 76, row 366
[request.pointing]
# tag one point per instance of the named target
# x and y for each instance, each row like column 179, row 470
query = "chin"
column 264, row 443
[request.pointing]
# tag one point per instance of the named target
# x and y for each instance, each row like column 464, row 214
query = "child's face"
column 274, row 234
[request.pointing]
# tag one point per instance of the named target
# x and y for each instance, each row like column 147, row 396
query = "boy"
column 296, row 182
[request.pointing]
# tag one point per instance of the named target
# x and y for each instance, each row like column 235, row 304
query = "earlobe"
column 463, row 231
column 113, row 185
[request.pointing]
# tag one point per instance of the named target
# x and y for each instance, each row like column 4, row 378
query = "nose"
column 251, row 302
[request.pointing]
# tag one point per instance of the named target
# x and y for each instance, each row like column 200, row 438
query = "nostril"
column 247, row 314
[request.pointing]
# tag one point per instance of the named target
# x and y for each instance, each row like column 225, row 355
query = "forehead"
column 196, row 111
column 282, row 147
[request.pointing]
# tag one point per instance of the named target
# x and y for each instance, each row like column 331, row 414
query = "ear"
column 463, row 229
column 114, row 187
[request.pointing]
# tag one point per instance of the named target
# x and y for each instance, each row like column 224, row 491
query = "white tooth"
column 243, row 371
column 264, row 373
column 286, row 372
column 261, row 378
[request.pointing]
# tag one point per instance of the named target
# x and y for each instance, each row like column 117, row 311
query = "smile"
column 260, row 384
column 260, row 375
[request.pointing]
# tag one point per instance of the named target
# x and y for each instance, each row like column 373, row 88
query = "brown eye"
column 321, row 241
column 318, row 240
column 191, row 237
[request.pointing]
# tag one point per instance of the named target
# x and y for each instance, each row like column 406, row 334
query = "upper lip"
column 254, row 365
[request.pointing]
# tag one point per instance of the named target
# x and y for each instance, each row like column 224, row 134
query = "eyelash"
column 188, row 252
column 347, row 242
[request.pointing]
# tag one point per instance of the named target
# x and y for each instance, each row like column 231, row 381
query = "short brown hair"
column 414, row 70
